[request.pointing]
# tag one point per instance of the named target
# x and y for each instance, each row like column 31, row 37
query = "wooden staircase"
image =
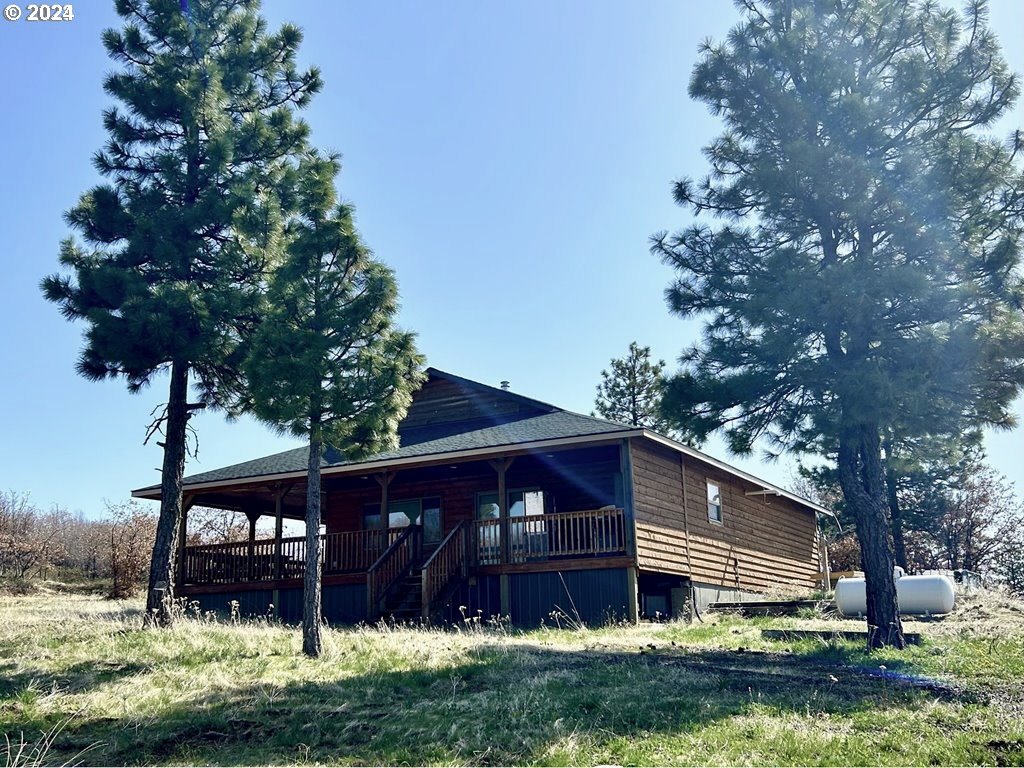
column 402, row 586
column 404, row 602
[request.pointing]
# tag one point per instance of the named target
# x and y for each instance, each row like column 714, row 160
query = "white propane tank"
column 917, row 595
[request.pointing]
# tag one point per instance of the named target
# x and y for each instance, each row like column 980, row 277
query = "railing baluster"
column 561, row 534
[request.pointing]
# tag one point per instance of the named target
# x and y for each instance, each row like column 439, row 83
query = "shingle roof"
column 549, row 426
column 536, row 423
column 543, row 422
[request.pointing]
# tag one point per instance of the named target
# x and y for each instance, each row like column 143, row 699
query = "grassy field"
column 79, row 677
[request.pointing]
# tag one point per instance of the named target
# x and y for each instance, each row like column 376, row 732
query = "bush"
column 132, row 531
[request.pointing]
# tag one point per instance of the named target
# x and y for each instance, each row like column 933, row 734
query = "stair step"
column 400, row 615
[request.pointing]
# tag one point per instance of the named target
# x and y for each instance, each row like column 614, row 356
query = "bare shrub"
column 132, row 531
column 29, row 538
column 844, row 553
column 216, row 526
column 1008, row 563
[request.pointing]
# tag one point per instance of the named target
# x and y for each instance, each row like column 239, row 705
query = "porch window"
column 714, row 503
column 402, row 514
column 521, row 503
column 431, row 517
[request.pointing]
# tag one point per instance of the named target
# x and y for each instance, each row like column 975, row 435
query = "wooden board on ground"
column 771, row 607
column 912, row 638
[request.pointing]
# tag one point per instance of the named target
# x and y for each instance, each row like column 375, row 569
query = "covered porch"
column 450, row 526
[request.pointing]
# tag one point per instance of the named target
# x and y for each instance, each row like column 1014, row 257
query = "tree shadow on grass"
column 15, row 680
column 505, row 704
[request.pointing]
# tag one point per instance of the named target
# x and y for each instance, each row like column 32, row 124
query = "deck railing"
column 395, row 562
column 448, row 562
column 218, row 563
column 348, row 552
column 534, row 538
column 355, row 550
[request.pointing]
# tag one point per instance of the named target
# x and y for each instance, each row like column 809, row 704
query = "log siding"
column 581, row 479
column 763, row 544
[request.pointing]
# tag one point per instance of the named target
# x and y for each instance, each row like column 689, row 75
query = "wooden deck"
column 475, row 545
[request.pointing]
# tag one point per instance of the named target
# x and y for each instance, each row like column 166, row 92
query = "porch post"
column 629, row 523
column 250, row 551
column 503, row 525
column 279, row 495
column 633, row 595
column 186, row 505
column 628, row 509
column 504, row 532
column 384, row 480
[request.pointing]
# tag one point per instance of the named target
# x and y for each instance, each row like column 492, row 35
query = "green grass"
column 82, row 670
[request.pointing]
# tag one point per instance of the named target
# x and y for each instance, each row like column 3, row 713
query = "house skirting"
column 594, row 597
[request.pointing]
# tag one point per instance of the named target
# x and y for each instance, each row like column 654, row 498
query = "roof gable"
column 447, row 405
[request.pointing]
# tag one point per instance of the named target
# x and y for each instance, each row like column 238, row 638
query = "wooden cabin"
column 498, row 504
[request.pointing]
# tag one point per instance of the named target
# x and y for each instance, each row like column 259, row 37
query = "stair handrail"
column 393, row 564
column 440, row 568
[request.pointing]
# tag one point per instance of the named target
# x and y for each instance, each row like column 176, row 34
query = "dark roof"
column 550, row 426
column 545, row 422
column 485, row 427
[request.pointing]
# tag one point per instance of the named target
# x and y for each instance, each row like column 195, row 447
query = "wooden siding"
column 442, row 401
column 571, row 480
column 764, row 543
column 595, row 596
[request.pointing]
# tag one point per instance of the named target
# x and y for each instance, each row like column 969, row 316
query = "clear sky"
column 509, row 160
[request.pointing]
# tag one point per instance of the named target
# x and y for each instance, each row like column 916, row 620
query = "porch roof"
column 557, row 425
column 536, row 426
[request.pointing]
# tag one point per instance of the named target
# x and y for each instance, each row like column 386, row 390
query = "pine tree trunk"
column 895, row 518
column 160, row 595
column 312, row 642
column 863, row 483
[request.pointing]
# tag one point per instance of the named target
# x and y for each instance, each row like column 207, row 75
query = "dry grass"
column 208, row 692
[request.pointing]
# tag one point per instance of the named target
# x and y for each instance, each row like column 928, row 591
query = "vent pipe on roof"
column 505, row 385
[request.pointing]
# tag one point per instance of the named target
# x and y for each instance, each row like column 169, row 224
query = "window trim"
column 709, row 483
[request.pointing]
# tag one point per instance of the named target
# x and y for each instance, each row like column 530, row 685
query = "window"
column 432, row 528
column 521, row 503
column 489, row 536
column 401, row 514
column 714, row 503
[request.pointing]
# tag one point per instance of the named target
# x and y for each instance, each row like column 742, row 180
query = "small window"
column 714, row 502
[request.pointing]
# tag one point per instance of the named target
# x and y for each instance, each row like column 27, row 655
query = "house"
column 498, row 504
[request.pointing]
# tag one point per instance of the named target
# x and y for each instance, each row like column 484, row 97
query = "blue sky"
column 509, row 160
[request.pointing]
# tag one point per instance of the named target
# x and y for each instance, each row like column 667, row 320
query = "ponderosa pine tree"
column 176, row 243
column 327, row 362
column 867, row 271
column 630, row 393
column 918, row 474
